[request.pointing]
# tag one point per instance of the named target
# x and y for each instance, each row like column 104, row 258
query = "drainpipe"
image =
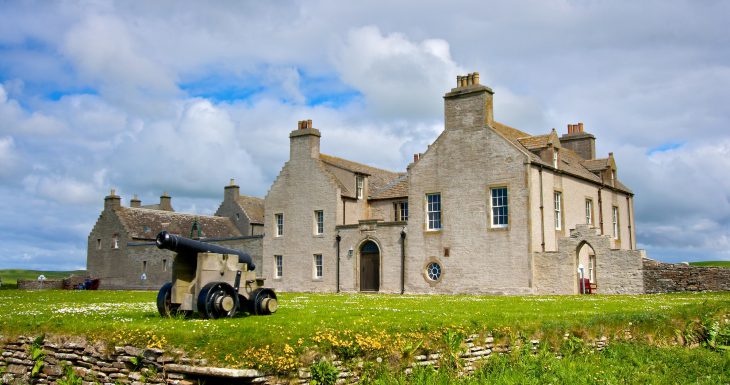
column 542, row 214
column 403, row 261
column 628, row 207
column 600, row 208
column 338, row 238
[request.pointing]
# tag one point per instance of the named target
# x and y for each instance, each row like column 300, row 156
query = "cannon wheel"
column 217, row 300
column 164, row 302
column 261, row 301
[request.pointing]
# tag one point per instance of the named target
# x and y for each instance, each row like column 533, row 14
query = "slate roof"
column 596, row 164
column 253, row 207
column 570, row 162
column 396, row 188
column 377, row 178
column 145, row 224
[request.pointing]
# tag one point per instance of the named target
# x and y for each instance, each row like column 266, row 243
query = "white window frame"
column 558, row 209
column 279, row 224
column 318, row 222
column 115, row 241
column 615, row 220
column 496, row 205
column 401, row 211
column 317, row 266
column 359, row 186
column 278, row 266
column 433, row 212
column 589, row 211
column 555, row 158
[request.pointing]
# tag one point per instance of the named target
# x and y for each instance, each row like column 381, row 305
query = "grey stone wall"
column 618, row 271
column 668, row 277
column 34, row 284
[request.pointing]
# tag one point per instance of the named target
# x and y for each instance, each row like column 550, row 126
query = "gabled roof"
column 145, row 224
column 377, row 178
column 253, row 207
column 597, row 164
column 570, row 162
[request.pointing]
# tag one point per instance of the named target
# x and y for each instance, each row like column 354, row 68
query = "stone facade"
column 121, row 249
column 366, row 244
column 486, row 208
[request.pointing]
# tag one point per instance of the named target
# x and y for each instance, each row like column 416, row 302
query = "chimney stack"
column 231, row 192
column 135, row 202
column 166, row 202
column 112, row 201
column 304, row 141
column 470, row 105
column 581, row 142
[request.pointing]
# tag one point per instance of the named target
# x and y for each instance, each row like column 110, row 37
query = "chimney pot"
column 580, row 127
column 476, row 78
column 113, row 192
column 233, row 182
column 462, row 81
column 309, row 123
column 470, row 79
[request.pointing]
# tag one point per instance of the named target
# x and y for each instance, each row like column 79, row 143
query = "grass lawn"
column 10, row 277
column 711, row 263
column 351, row 324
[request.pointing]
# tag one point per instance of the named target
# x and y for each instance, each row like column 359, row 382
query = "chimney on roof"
column 304, row 141
column 135, row 202
column 470, row 105
column 112, row 201
column 581, row 142
column 231, row 192
column 166, row 202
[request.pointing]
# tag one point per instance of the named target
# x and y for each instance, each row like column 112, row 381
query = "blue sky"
column 148, row 97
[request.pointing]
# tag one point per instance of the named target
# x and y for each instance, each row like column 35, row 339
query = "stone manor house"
column 487, row 208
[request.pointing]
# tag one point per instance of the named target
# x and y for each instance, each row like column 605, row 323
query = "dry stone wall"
column 130, row 365
column 668, row 277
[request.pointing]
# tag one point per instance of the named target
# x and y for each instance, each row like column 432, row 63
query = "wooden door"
column 369, row 267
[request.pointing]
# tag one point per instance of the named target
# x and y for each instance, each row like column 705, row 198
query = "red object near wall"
column 585, row 286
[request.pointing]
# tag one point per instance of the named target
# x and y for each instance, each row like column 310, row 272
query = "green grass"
column 619, row 363
column 10, row 277
column 711, row 263
column 351, row 324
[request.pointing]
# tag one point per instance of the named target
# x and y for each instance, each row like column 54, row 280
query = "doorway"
column 369, row 267
column 586, row 268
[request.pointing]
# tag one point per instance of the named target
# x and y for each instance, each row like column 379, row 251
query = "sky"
column 180, row 97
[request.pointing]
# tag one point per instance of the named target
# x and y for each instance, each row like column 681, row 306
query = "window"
column 500, row 212
column 238, row 216
column 358, row 186
column 164, row 265
column 433, row 271
column 115, row 241
column 318, row 222
column 317, row 266
column 278, row 266
column 615, row 222
column 401, row 211
column 558, row 210
column 433, row 207
column 589, row 212
column 555, row 158
column 279, row 224
column 98, row 244
column 592, row 268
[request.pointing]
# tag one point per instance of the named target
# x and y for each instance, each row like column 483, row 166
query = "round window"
column 433, row 270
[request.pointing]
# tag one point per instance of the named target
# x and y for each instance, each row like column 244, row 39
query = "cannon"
column 216, row 281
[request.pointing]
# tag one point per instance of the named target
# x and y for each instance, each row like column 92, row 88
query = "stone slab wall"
column 131, row 365
column 668, row 277
column 34, row 284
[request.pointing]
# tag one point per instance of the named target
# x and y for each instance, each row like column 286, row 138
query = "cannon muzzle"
column 182, row 245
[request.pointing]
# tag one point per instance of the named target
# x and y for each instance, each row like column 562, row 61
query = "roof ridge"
column 352, row 161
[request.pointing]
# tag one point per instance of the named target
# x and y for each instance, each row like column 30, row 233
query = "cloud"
column 398, row 77
column 8, row 157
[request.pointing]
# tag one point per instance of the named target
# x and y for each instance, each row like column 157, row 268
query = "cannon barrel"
column 182, row 245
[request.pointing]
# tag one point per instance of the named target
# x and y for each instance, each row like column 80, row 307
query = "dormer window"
column 115, row 241
column 555, row 158
column 359, row 186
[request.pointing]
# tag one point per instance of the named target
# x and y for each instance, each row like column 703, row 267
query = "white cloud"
column 398, row 77
column 8, row 157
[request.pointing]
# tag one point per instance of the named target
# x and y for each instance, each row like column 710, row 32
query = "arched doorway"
column 369, row 266
column 586, row 263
